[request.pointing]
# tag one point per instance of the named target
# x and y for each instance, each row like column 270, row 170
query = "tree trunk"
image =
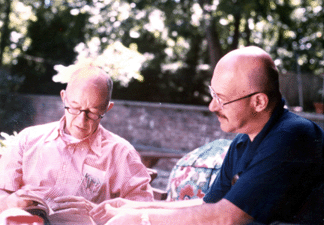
column 237, row 20
column 214, row 46
column 5, row 30
column 247, row 33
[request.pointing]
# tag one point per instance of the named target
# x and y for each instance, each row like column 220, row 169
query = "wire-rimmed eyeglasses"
column 88, row 113
column 219, row 101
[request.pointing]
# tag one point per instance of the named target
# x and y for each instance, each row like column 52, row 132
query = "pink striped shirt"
column 50, row 163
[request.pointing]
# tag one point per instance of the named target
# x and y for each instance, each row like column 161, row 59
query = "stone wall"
column 168, row 126
column 165, row 126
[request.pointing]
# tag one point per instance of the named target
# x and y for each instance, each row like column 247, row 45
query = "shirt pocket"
column 92, row 182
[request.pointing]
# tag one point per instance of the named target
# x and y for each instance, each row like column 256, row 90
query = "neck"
column 258, row 124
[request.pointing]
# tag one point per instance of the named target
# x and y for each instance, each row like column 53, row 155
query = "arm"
column 137, row 185
column 108, row 209
column 223, row 212
column 3, row 199
column 10, row 199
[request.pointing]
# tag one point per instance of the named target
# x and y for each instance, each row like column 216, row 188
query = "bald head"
column 248, row 70
column 91, row 76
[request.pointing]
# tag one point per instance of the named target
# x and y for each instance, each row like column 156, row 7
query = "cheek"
column 93, row 125
column 69, row 119
column 234, row 117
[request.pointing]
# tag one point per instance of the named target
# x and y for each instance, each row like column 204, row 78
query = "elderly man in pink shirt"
column 75, row 163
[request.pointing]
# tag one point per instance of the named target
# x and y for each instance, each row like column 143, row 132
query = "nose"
column 214, row 106
column 82, row 117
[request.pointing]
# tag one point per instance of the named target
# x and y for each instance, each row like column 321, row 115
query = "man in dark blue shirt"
column 271, row 166
column 270, row 177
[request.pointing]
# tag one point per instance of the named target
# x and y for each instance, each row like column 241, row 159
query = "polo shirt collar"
column 278, row 111
column 244, row 143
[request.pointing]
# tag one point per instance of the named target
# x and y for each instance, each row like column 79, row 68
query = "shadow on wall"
column 311, row 84
column 16, row 113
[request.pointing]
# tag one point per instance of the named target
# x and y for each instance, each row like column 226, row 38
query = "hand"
column 73, row 205
column 109, row 208
column 104, row 212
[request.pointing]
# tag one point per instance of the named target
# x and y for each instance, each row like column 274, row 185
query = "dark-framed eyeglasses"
column 89, row 114
column 219, row 101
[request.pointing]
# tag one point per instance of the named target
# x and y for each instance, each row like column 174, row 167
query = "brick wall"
column 168, row 126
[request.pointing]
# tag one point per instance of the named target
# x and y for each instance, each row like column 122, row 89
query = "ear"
column 110, row 105
column 62, row 93
column 260, row 102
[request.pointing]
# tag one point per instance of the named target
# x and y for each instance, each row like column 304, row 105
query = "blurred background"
column 161, row 55
column 156, row 51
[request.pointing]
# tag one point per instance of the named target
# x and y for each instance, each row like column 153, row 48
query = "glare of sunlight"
column 74, row 12
column 278, row 62
column 124, row 10
column 134, row 34
column 298, row 13
column 156, row 23
column 172, row 67
column 168, row 51
column 120, row 62
column 25, row 12
column 223, row 22
column 317, row 9
column 197, row 14
column 15, row 36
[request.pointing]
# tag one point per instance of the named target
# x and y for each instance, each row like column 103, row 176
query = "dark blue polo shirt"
column 276, row 171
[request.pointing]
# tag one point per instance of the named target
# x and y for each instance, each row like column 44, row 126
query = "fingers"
column 73, row 204
column 97, row 211
column 68, row 199
column 72, row 211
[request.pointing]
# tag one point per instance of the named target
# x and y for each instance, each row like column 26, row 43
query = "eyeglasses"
column 89, row 114
column 219, row 101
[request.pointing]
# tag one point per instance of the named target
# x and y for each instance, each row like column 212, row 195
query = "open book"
column 39, row 207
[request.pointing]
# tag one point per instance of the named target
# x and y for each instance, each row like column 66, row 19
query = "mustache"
column 220, row 115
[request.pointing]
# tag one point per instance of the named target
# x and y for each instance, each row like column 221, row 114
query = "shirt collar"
column 94, row 140
column 278, row 111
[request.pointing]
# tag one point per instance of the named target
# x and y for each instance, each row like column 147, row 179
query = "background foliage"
column 182, row 40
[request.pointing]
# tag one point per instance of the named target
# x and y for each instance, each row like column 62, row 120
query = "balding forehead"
column 244, row 68
column 86, row 76
column 88, row 73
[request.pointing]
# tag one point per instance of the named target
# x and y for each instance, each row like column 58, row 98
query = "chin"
column 79, row 136
column 227, row 129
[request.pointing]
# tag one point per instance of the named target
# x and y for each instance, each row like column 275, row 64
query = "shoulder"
column 116, row 143
column 292, row 124
column 294, row 135
column 39, row 130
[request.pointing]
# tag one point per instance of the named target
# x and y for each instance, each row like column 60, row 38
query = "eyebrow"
column 219, row 95
column 76, row 103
